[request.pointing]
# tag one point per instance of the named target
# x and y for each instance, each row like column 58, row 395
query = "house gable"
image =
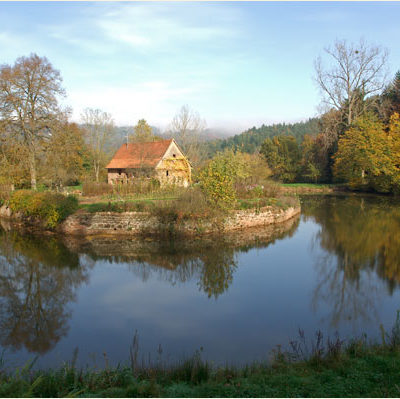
column 172, row 152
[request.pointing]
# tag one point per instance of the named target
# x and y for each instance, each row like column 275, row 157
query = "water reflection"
column 260, row 283
column 38, row 278
column 361, row 240
column 212, row 261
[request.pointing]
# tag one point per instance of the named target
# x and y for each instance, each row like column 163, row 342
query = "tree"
column 66, row 155
column 390, row 99
column 218, row 177
column 368, row 156
column 29, row 92
column 14, row 168
column 99, row 128
column 186, row 126
column 143, row 132
column 283, row 156
column 358, row 71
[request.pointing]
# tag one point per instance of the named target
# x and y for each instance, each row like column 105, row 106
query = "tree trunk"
column 32, row 169
column 96, row 171
column 349, row 116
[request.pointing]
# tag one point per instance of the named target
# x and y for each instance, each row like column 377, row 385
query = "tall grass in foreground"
column 309, row 368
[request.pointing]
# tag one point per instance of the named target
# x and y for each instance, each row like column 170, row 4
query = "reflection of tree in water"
column 211, row 261
column 38, row 278
column 363, row 234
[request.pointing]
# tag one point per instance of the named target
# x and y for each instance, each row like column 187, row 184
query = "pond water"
column 335, row 268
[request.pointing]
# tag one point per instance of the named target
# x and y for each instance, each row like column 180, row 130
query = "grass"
column 118, row 206
column 308, row 185
column 320, row 368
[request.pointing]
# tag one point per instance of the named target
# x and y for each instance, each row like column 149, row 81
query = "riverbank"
column 143, row 223
column 310, row 188
column 171, row 222
column 357, row 369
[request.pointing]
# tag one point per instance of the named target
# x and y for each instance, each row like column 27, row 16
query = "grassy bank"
column 332, row 368
column 309, row 188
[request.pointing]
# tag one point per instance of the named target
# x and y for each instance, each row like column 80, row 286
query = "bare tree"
column 187, row 126
column 99, row 128
column 29, row 92
column 358, row 71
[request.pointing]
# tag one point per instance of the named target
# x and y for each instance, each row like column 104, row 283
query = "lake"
column 336, row 268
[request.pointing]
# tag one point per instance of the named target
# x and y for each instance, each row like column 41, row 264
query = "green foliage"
column 282, row 154
column 251, row 140
column 50, row 208
column 390, row 99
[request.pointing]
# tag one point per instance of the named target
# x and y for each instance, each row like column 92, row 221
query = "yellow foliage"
column 369, row 156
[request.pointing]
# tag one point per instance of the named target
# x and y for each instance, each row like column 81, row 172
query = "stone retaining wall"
column 134, row 223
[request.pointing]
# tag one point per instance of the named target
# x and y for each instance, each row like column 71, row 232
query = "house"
column 160, row 159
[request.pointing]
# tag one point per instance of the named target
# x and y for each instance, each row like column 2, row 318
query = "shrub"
column 50, row 208
column 217, row 180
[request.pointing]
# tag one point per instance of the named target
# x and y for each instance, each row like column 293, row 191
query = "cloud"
column 156, row 101
column 155, row 25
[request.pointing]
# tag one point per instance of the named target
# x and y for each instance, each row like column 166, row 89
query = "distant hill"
column 217, row 139
column 250, row 140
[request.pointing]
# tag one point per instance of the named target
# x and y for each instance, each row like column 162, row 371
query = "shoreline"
column 86, row 224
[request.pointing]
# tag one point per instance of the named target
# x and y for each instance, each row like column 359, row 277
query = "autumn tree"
column 357, row 71
column 14, row 165
column 218, row 177
column 142, row 132
column 283, row 156
column 186, row 127
column 99, row 130
column 29, row 93
column 368, row 156
column 66, row 155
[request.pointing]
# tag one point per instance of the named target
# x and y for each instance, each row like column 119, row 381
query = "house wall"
column 175, row 175
column 178, row 177
column 113, row 175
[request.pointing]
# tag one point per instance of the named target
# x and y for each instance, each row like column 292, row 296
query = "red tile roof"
column 135, row 155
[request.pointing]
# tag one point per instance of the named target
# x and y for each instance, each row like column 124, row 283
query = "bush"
column 50, row 208
column 217, row 180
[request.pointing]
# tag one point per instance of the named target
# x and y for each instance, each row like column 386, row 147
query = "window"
column 174, row 155
column 167, row 173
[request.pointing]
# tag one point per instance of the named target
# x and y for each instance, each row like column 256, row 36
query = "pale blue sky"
column 238, row 64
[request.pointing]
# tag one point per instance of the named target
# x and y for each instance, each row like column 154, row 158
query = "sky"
column 238, row 64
